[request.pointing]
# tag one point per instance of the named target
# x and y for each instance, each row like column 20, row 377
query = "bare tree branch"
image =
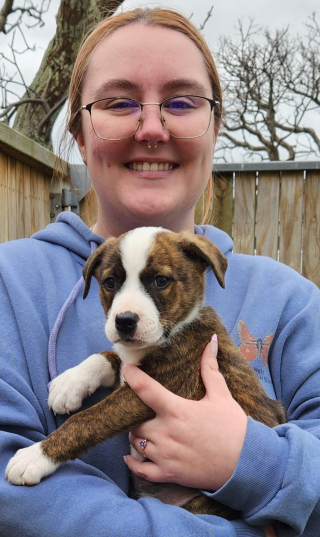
column 270, row 88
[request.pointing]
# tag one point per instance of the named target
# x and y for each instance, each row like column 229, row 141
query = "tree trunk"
column 51, row 82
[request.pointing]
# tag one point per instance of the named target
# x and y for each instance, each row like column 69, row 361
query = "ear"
column 92, row 263
column 206, row 252
column 82, row 147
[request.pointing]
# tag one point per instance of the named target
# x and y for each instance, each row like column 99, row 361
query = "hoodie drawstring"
column 52, row 346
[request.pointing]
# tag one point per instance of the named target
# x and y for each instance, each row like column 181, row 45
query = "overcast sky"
column 267, row 13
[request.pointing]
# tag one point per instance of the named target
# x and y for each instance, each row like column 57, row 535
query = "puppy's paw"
column 29, row 465
column 68, row 390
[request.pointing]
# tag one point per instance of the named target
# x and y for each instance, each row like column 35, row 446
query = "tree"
column 271, row 86
column 37, row 109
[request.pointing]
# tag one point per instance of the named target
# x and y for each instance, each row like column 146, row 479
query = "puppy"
column 151, row 288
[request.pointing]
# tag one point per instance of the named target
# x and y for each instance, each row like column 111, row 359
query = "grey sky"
column 271, row 13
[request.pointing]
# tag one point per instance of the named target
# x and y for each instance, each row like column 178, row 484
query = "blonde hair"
column 166, row 18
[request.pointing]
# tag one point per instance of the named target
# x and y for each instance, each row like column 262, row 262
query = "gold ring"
column 143, row 444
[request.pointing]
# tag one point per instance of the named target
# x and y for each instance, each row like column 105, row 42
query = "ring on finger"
column 143, row 444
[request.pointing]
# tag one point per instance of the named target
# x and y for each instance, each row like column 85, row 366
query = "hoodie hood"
column 72, row 233
column 218, row 237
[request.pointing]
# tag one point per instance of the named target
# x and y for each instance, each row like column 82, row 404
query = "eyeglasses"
column 119, row 118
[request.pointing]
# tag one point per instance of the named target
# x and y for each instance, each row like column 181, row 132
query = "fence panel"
column 311, row 230
column 24, row 199
column 244, row 212
column 223, row 202
column 291, row 219
column 267, row 214
column 276, row 212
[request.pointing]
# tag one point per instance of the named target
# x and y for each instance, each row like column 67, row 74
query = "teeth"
column 146, row 166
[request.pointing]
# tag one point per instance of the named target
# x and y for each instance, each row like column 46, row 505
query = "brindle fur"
column 176, row 365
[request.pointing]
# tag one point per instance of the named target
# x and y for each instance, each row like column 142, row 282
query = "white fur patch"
column 68, row 390
column 135, row 248
column 29, row 466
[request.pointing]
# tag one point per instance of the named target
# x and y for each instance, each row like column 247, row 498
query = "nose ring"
column 149, row 146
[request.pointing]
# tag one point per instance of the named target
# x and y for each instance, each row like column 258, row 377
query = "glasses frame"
column 88, row 107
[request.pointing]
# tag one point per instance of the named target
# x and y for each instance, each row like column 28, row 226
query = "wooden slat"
column 244, row 212
column 268, row 214
column 3, row 197
column 11, row 197
column 223, row 202
column 291, row 213
column 311, row 232
column 26, row 220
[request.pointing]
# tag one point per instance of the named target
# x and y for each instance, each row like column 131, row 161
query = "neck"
column 107, row 226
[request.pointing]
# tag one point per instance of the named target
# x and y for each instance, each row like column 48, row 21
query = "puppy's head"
column 152, row 282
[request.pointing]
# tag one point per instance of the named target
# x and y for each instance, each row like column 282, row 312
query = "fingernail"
column 214, row 345
column 125, row 459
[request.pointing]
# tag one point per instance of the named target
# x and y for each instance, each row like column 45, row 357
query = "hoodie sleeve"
column 277, row 476
column 79, row 499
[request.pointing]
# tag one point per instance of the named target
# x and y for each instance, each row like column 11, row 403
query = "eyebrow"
column 178, row 84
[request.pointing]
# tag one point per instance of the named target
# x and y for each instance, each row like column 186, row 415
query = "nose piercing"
column 149, row 146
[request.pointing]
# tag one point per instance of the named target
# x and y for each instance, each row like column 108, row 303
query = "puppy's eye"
column 161, row 282
column 109, row 284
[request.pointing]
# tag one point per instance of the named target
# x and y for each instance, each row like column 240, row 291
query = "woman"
column 145, row 107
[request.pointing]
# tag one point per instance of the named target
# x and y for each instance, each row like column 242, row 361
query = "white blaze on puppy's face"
column 132, row 296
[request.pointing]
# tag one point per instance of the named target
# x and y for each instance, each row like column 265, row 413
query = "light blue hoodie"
column 272, row 314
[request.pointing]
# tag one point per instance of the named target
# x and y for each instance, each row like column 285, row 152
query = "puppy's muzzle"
column 126, row 324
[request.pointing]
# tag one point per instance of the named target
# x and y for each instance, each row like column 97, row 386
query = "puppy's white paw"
column 69, row 389
column 29, row 465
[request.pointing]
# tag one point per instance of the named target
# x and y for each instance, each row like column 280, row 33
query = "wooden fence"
column 270, row 209
column 26, row 170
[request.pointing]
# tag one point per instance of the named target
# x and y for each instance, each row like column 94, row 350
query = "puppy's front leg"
column 116, row 413
column 69, row 389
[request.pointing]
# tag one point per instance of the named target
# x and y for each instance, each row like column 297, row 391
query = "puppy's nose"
column 126, row 323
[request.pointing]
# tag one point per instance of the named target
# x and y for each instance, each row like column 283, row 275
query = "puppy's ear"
column 92, row 263
column 202, row 249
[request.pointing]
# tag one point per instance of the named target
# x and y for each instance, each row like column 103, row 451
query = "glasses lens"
column 115, row 119
column 186, row 116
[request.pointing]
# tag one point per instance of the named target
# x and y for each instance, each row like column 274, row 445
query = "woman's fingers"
column 151, row 392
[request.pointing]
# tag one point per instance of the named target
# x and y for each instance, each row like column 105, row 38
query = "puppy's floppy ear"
column 92, row 263
column 201, row 248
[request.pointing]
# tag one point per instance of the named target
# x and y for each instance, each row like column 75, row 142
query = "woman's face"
column 148, row 64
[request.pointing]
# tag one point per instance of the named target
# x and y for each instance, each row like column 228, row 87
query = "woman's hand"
column 193, row 443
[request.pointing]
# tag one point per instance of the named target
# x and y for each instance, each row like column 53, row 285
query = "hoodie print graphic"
column 252, row 347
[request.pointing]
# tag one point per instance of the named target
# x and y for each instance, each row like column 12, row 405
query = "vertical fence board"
column 223, row 202
column 291, row 214
column 26, row 222
column 268, row 214
column 11, row 197
column 20, row 206
column 244, row 212
column 3, row 196
column 311, row 232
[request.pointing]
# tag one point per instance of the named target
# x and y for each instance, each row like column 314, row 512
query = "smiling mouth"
column 153, row 167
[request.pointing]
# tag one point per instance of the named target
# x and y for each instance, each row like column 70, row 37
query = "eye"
column 161, row 282
column 123, row 106
column 179, row 105
column 109, row 284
